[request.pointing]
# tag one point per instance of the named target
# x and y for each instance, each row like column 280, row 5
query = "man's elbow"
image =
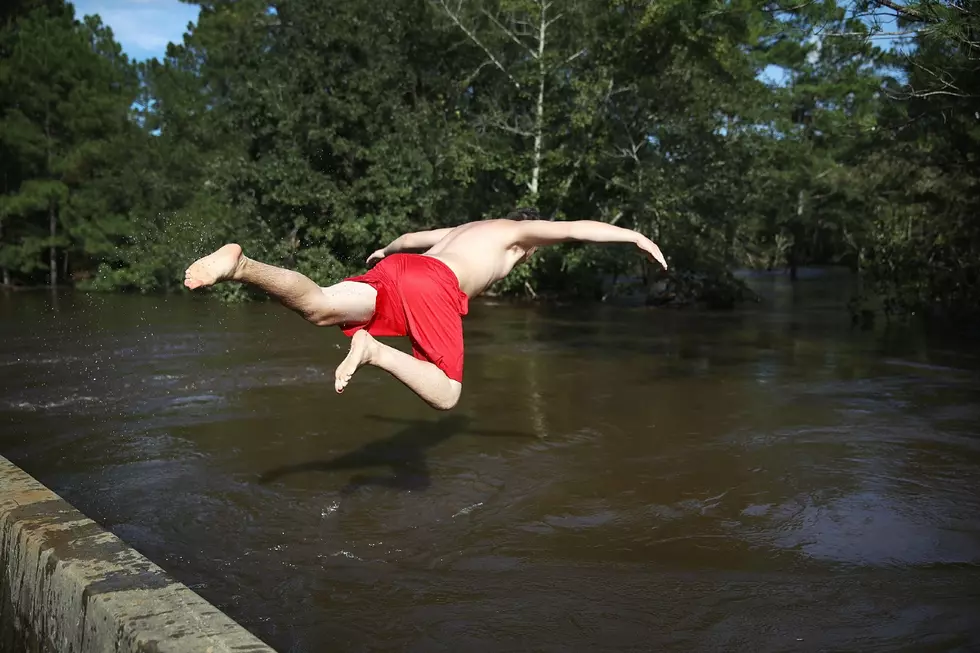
column 575, row 230
column 411, row 241
column 547, row 233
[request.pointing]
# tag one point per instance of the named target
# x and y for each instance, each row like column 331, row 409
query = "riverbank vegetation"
column 733, row 132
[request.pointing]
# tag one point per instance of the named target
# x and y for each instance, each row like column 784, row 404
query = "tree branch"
column 876, row 35
column 802, row 5
column 510, row 34
column 472, row 36
column 945, row 82
column 921, row 94
column 574, row 56
column 902, row 10
column 553, row 20
column 472, row 76
column 512, row 129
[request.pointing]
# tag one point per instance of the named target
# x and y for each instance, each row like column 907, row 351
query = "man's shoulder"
column 498, row 227
column 497, row 223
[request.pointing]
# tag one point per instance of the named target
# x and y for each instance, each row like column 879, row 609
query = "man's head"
column 524, row 213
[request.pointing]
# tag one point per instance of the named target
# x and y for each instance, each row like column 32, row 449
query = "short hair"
column 524, row 213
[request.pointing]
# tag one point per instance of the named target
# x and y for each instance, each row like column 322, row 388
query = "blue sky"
column 142, row 27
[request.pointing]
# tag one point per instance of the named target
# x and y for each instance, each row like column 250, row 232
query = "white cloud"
column 813, row 56
column 142, row 27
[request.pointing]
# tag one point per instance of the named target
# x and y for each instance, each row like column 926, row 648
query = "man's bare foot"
column 218, row 266
column 362, row 348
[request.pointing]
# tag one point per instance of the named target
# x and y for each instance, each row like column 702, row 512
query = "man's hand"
column 375, row 257
column 653, row 252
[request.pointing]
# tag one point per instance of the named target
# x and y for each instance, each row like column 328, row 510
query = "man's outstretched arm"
column 534, row 233
column 414, row 242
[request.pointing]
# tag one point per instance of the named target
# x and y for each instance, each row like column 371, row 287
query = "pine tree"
column 66, row 88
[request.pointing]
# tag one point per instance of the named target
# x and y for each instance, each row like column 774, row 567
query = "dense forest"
column 734, row 133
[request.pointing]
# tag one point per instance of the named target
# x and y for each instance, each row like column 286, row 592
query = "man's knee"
column 324, row 319
column 314, row 310
column 342, row 303
column 449, row 400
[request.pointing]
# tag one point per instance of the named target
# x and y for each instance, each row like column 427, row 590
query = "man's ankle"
column 373, row 351
column 241, row 269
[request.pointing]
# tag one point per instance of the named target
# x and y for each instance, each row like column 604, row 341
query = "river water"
column 766, row 479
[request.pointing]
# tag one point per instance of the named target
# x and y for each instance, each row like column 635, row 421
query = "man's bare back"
column 422, row 296
column 480, row 253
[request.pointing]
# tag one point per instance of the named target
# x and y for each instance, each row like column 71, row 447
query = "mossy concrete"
column 68, row 586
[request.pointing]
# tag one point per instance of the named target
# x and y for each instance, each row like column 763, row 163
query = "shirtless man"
column 421, row 295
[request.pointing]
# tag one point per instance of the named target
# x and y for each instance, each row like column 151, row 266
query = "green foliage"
column 921, row 241
column 313, row 134
column 64, row 90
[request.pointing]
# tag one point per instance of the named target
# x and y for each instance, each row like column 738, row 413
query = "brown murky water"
column 613, row 479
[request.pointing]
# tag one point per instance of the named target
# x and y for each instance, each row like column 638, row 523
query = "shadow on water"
column 404, row 453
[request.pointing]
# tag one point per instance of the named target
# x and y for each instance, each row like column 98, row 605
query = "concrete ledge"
column 68, row 586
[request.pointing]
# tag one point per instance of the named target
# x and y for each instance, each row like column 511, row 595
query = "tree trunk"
column 4, row 271
column 793, row 263
column 52, row 216
column 534, row 184
column 53, row 251
column 539, row 107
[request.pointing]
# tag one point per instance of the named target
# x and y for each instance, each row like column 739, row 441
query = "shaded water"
column 613, row 479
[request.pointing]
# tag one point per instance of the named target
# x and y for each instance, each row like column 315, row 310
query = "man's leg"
column 425, row 379
column 343, row 302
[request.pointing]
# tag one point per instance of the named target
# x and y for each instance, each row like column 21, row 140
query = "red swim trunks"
column 418, row 296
